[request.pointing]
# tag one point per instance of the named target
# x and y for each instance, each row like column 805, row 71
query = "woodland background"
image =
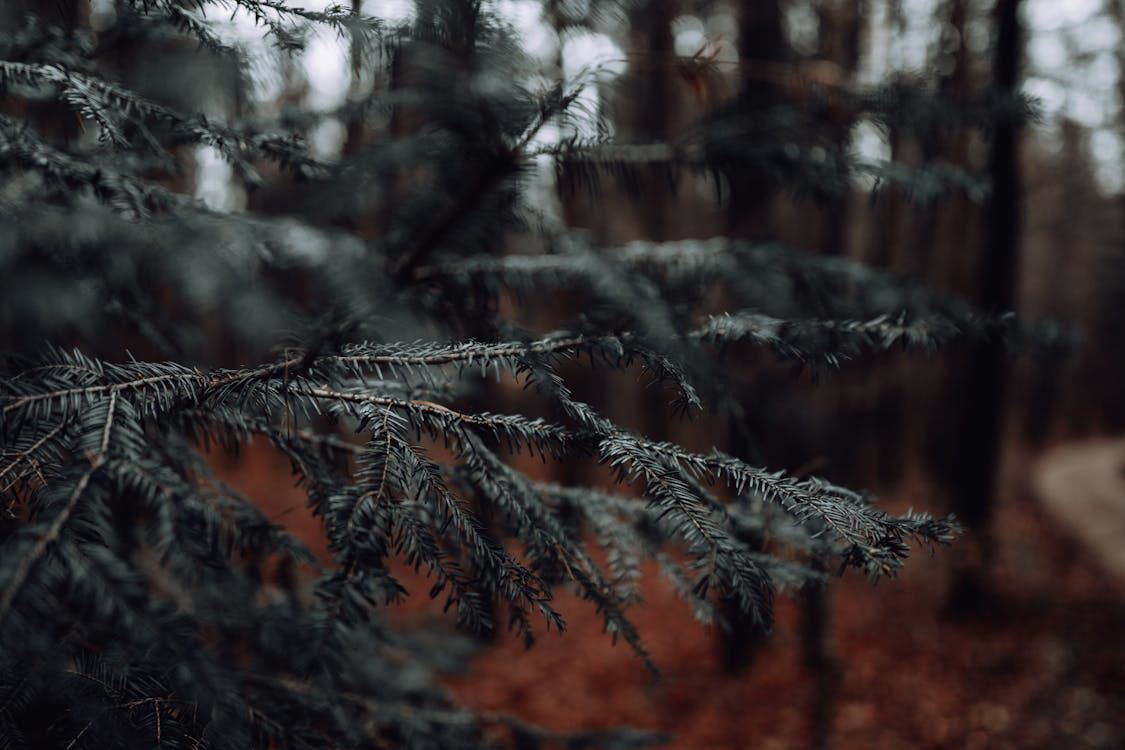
column 1027, row 654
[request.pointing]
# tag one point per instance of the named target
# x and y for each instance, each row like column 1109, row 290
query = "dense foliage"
column 352, row 317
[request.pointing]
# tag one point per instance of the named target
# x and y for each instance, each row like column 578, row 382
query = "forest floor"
column 1042, row 666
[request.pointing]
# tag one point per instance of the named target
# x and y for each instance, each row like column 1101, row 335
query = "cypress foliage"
column 145, row 603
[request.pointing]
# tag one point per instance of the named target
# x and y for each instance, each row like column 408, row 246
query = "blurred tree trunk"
column 644, row 111
column 982, row 383
column 650, row 118
column 936, row 431
column 51, row 117
column 839, row 33
column 761, row 44
column 889, row 214
column 1110, row 313
column 645, row 107
column 840, row 25
column 948, row 224
column 890, row 219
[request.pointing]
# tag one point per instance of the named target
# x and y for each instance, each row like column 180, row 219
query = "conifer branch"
column 407, row 227
column 52, row 532
column 28, row 454
column 76, row 395
column 108, row 104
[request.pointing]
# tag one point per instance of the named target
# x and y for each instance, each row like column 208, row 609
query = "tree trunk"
column 983, row 381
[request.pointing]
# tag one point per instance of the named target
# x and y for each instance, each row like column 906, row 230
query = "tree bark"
column 983, row 381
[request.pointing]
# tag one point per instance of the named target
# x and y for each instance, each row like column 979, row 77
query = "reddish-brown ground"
column 1042, row 667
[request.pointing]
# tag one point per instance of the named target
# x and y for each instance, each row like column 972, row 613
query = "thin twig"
column 111, row 388
column 22, row 455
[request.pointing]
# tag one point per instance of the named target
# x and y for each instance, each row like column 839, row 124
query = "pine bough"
column 145, row 603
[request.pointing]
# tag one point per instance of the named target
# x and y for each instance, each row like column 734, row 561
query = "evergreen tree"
column 351, row 317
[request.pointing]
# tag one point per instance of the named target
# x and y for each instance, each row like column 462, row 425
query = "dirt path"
column 1083, row 486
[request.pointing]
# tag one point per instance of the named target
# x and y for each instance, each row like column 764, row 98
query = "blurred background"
column 1014, row 639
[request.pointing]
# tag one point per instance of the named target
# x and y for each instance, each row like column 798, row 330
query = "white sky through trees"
column 1072, row 66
